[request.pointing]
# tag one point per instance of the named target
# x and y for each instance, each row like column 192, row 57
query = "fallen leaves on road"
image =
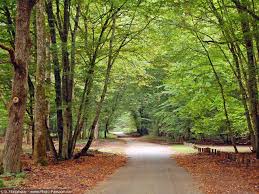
column 216, row 176
column 76, row 175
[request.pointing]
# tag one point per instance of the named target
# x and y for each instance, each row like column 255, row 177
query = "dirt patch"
column 217, row 176
column 75, row 175
column 116, row 146
column 108, row 142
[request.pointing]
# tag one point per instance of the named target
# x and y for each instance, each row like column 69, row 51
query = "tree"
column 17, row 106
column 55, row 60
column 39, row 153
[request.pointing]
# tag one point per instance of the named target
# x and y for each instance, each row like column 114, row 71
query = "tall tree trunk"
column 13, row 138
column 244, row 97
column 81, row 117
column 71, row 80
column 54, row 51
column 87, row 86
column 30, row 110
column 66, row 80
column 256, row 37
column 251, row 70
column 111, row 60
column 228, row 123
column 40, row 155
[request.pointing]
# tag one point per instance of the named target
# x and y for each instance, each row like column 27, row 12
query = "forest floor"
column 217, row 176
column 213, row 174
column 210, row 173
column 75, row 176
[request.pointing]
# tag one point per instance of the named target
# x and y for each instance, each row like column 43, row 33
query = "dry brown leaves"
column 216, row 176
column 76, row 175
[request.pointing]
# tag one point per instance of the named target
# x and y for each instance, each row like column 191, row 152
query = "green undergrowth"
column 158, row 139
column 178, row 148
column 183, row 149
column 101, row 137
column 12, row 180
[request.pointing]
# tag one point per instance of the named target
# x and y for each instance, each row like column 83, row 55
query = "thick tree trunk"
column 13, row 138
column 54, row 51
column 40, row 152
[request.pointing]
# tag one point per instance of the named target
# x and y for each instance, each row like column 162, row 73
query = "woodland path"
column 150, row 170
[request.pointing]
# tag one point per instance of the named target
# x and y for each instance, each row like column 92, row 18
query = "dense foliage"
column 184, row 69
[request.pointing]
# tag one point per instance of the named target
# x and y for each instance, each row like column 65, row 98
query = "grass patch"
column 183, row 149
column 109, row 136
column 101, row 137
column 12, row 180
column 154, row 137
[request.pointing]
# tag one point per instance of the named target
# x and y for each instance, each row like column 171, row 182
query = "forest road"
column 150, row 170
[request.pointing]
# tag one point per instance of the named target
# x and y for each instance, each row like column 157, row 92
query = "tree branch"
column 244, row 8
column 11, row 53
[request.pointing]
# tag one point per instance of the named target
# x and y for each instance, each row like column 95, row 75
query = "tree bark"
column 66, row 86
column 71, row 137
column 30, row 110
column 13, row 138
column 40, row 155
column 55, row 59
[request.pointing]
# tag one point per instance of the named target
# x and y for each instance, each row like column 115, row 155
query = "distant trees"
column 228, row 36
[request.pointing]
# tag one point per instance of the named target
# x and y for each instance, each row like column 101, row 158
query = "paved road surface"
column 150, row 170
